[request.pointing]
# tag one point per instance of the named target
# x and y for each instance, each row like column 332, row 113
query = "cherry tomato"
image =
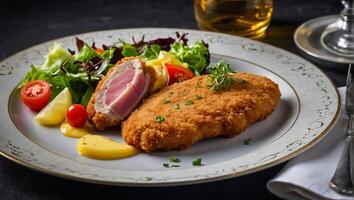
column 99, row 50
column 36, row 94
column 178, row 73
column 76, row 115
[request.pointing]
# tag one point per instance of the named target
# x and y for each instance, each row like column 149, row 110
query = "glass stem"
column 347, row 16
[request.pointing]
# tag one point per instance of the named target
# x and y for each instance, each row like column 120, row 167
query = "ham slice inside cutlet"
column 125, row 91
column 118, row 95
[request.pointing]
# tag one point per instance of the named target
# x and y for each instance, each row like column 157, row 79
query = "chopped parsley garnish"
column 167, row 165
column 247, row 141
column 166, row 101
column 160, row 118
column 174, row 159
column 197, row 162
column 188, row 102
column 176, row 106
column 171, row 93
column 199, row 97
column 220, row 76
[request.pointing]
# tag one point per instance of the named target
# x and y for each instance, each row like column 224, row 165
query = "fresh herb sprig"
column 220, row 76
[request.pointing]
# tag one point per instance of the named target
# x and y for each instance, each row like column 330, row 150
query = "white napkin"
column 307, row 176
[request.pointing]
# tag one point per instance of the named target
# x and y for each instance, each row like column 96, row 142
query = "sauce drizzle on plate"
column 103, row 148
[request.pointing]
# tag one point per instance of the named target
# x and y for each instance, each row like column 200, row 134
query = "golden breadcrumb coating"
column 192, row 112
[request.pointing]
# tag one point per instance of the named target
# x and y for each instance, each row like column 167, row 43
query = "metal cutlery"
column 343, row 178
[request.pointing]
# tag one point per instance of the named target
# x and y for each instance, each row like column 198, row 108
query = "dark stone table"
column 26, row 23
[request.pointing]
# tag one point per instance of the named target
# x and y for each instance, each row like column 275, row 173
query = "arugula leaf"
column 151, row 51
column 195, row 55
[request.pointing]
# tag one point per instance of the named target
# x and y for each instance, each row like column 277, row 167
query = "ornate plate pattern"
column 318, row 110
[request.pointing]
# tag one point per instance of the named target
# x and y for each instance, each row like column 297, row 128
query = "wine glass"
column 329, row 40
column 338, row 37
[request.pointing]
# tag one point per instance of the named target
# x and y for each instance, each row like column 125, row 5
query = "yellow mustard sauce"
column 103, row 148
column 74, row 132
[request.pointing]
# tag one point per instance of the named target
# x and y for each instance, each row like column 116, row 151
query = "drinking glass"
column 338, row 37
column 248, row 18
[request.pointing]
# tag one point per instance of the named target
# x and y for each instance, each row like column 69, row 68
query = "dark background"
column 26, row 23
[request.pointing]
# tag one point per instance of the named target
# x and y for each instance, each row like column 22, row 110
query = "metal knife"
column 343, row 178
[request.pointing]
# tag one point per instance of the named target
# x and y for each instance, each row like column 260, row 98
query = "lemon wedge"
column 161, row 76
column 54, row 112
column 166, row 57
column 158, row 65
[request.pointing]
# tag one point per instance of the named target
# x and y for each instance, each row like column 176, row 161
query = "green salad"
column 81, row 70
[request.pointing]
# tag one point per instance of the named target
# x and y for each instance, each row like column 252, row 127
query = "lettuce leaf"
column 56, row 57
column 87, row 96
column 86, row 54
column 61, row 70
column 129, row 50
column 81, row 72
column 108, row 54
column 151, row 51
column 56, row 82
column 195, row 55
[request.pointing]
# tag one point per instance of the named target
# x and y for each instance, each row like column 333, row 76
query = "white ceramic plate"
column 308, row 109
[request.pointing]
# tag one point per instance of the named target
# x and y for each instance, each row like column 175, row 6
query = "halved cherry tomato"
column 178, row 73
column 99, row 50
column 36, row 94
column 76, row 115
